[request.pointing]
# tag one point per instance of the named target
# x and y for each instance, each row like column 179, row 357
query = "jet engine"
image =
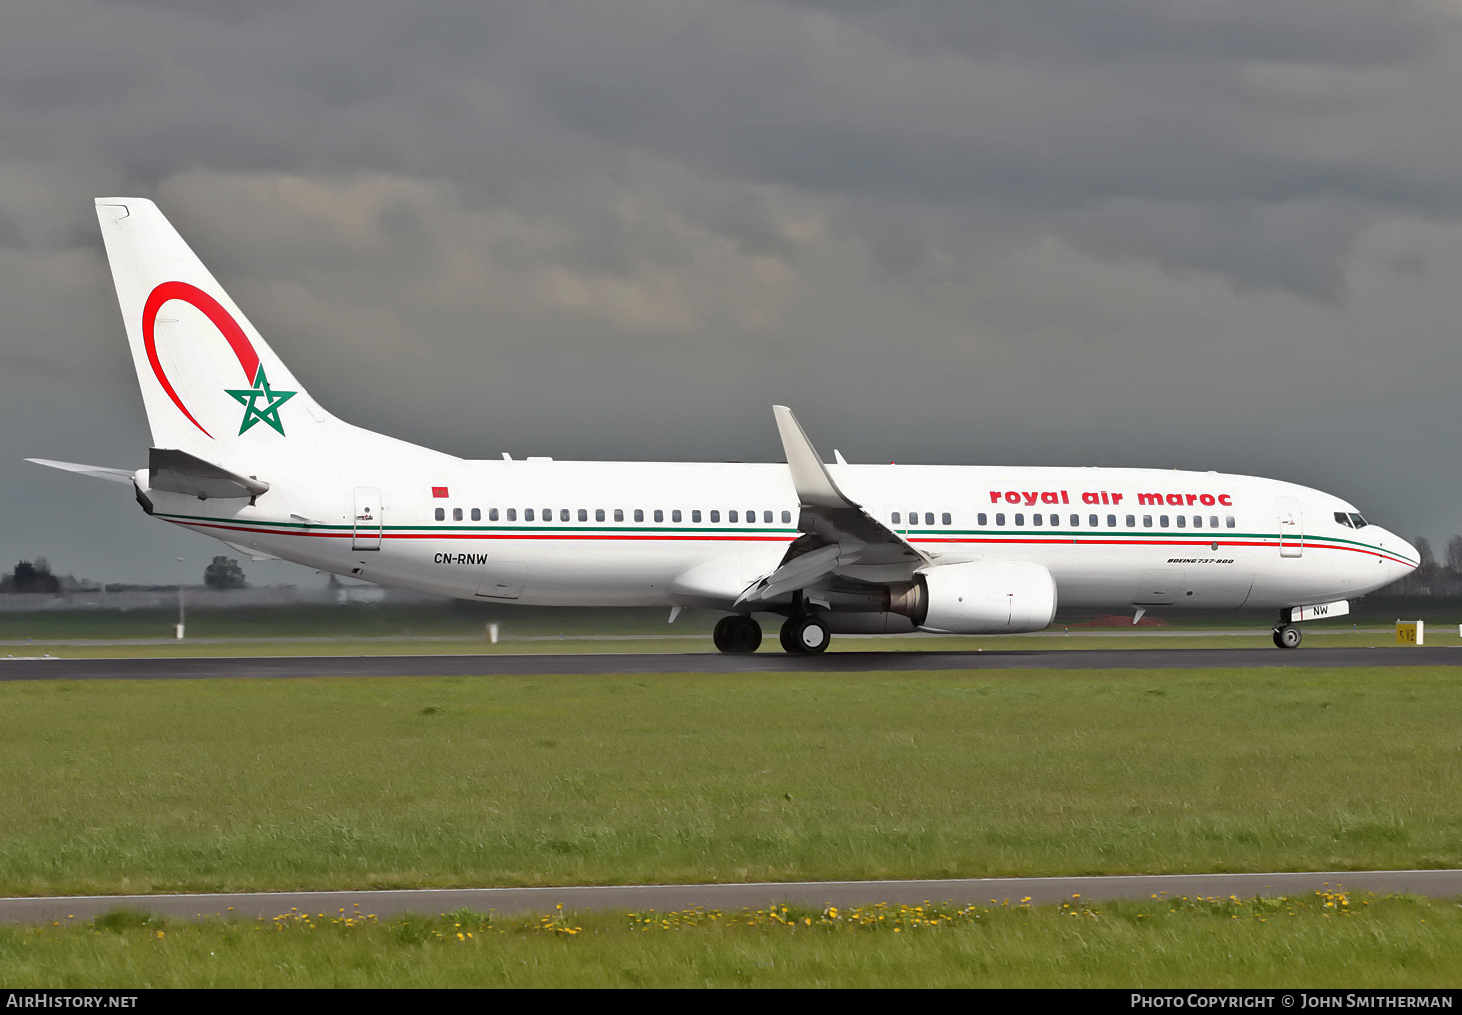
column 978, row 597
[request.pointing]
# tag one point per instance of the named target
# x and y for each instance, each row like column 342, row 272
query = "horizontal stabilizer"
column 179, row 472
column 95, row 471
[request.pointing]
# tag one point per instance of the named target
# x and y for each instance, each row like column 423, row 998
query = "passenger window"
column 1036, row 520
column 659, row 515
column 1197, row 521
column 928, row 517
column 441, row 514
column 715, row 517
column 1076, row 521
column 751, row 518
column 895, row 517
column 1000, row 520
column 1093, row 521
column 1213, row 521
column 619, row 514
column 1229, row 521
column 639, row 514
column 527, row 514
column 1132, row 522
column 1182, row 521
column 599, row 514
column 945, row 519
column 456, row 514
column 675, row 515
column 548, row 514
column 1020, row 520
column 492, row 514
column 695, row 516
column 477, row 514
column 583, row 514
column 1147, row 521
column 980, row 518
column 1163, row 520
column 512, row 514
column 731, row 516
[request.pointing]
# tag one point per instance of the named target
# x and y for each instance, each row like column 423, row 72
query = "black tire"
column 805, row 636
column 737, row 635
column 1287, row 636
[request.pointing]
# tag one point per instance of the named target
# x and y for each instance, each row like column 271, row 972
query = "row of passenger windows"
column 1094, row 521
column 600, row 515
column 1073, row 521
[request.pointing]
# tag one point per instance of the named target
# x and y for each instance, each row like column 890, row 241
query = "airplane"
column 243, row 453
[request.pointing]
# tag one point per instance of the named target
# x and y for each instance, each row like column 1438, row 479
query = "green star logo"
column 251, row 399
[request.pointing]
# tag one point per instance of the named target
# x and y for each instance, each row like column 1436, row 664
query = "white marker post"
column 178, row 630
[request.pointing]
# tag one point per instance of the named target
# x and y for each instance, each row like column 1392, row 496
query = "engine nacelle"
column 979, row 597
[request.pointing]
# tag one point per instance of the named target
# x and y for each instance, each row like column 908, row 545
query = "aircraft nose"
column 1406, row 555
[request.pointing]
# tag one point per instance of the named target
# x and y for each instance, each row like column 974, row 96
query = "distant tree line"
column 34, row 577
column 31, row 577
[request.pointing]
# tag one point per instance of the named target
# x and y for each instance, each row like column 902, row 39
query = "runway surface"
column 1446, row 884
column 504, row 664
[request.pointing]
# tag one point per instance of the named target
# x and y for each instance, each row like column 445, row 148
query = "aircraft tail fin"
column 212, row 386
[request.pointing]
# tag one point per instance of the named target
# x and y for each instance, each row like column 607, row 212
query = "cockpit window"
column 1358, row 521
column 1344, row 519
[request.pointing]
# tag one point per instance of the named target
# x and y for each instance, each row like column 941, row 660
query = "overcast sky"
column 1208, row 234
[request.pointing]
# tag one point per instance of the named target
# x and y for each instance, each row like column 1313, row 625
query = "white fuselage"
column 625, row 533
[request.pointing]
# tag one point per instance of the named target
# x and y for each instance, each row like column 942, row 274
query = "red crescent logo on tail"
column 213, row 310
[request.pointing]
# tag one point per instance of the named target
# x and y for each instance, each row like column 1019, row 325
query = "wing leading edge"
column 836, row 532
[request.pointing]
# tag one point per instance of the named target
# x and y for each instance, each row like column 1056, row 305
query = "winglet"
column 815, row 488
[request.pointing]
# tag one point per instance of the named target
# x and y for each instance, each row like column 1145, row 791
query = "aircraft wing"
column 836, row 531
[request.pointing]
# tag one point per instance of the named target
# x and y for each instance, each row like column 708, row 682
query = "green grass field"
column 1320, row 941
column 147, row 786
column 155, row 786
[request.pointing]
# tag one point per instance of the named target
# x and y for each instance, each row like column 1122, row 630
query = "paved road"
column 712, row 662
column 1445, row 884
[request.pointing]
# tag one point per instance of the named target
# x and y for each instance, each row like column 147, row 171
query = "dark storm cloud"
column 1349, row 32
column 1010, row 230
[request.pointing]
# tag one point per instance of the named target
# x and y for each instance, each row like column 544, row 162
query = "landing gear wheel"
column 737, row 635
column 1287, row 636
column 805, row 636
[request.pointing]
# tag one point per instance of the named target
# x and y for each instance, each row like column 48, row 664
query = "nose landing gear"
column 1287, row 636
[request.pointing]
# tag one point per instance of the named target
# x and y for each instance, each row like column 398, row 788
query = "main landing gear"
column 737, row 634
column 800, row 635
column 805, row 635
column 1287, row 636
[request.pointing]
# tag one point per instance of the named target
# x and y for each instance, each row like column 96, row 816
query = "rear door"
column 367, row 532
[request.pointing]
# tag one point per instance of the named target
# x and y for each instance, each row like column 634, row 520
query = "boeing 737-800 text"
column 243, row 453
